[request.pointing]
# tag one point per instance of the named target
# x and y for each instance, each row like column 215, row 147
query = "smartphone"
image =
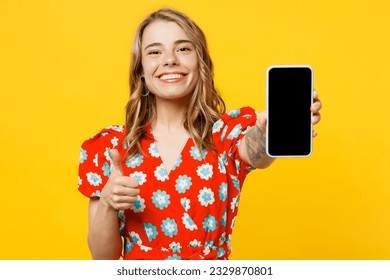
column 289, row 98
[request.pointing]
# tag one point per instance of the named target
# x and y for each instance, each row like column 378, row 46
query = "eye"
column 153, row 52
column 184, row 49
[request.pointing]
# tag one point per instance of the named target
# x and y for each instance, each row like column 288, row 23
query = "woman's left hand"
column 315, row 109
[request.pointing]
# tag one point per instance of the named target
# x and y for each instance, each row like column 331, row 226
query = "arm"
column 119, row 193
column 252, row 146
column 104, row 239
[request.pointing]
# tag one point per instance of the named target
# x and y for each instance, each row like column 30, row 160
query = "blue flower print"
column 151, row 231
column 139, row 176
column 96, row 194
column 135, row 161
column 161, row 199
column 185, row 202
column 221, row 252
column 224, row 217
column 234, row 203
column 195, row 243
column 247, row 116
column 222, row 193
column 139, row 205
column 175, row 247
column 106, row 169
column 174, row 257
column 153, row 151
column 135, row 237
column 221, row 165
column 183, row 183
column 169, row 227
column 114, row 142
column 206, row 197
column 238, row 166
column 210, row 244
column 205, row 171
column 177, row 163
column 209, row 223
column 118, row 128
column 235, row 132
column 188, row 222
column 83, row 155
column 161, row 173
column 222, row 239
column 195, row 154
column 217, row 126
column 223, row 133
column 94, row 179
column 234, row 113
column 128, row 245
column 236, row 182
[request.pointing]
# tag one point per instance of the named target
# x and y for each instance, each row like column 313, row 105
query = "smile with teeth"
column 171, row 76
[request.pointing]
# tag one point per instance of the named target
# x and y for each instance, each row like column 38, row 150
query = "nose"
column 170, row 59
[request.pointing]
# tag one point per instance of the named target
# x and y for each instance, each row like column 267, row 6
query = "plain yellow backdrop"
column 64, row 76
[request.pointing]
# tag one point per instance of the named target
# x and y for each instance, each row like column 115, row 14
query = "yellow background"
column 64, row 70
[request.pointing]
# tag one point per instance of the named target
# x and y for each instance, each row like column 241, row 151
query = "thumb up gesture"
column 120, row 192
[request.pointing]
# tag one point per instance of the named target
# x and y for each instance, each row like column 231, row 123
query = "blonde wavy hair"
column 206, row 105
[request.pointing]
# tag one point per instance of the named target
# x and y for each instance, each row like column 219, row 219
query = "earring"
column 145, row 94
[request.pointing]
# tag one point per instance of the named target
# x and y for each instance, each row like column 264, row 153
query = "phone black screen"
column 289, row 97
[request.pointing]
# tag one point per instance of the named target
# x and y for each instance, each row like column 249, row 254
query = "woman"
column 167, row 185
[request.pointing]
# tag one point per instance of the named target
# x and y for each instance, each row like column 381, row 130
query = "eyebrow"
column 157, row 44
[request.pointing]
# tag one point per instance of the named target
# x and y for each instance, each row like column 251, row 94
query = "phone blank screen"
column 289, row 117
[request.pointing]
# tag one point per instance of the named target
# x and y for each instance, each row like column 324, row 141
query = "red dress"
column 186, row 214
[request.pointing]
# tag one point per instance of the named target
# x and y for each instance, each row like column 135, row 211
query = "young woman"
column 167, row 184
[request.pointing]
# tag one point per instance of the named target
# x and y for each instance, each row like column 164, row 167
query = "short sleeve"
column 95, row 161
column 227, row 134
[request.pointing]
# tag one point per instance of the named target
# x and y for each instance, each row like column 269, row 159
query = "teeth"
column 171, row 76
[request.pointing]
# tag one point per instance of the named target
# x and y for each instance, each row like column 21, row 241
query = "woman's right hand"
column 120, row 192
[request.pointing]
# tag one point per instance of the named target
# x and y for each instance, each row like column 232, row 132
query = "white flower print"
column 153, row 150
column 188, row 222
column 114, row 142
column 183, row 183
column 185, row 202
column 94, row 179
column 175, row 247
column 234, row 203
column 107, row 154
column 135, row 237
column 217, row 126
column 95, row 160
column 222, row 239
column 160, row 173
column 80, row 181
column 139, row 176
column 221, row 164
column 233, row 222
column 195, row 243
column 235, row 132
column 145, row 248
column 139, row 205
column 206, row 197
column 83, row 155
column 118, row 128
column 205, row 171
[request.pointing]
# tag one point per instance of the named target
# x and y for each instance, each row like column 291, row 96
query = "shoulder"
column 111, row 136
column 244, row 117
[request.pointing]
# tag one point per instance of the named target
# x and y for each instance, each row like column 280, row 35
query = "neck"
column 170, row 115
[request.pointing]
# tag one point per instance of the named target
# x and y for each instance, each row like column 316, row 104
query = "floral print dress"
column 186, row 214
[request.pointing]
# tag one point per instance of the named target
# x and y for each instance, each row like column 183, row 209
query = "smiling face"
column 169, row 61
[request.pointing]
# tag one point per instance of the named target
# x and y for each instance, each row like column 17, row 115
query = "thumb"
column 116, row 162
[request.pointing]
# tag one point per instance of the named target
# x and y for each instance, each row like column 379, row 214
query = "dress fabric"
column 186, row 214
